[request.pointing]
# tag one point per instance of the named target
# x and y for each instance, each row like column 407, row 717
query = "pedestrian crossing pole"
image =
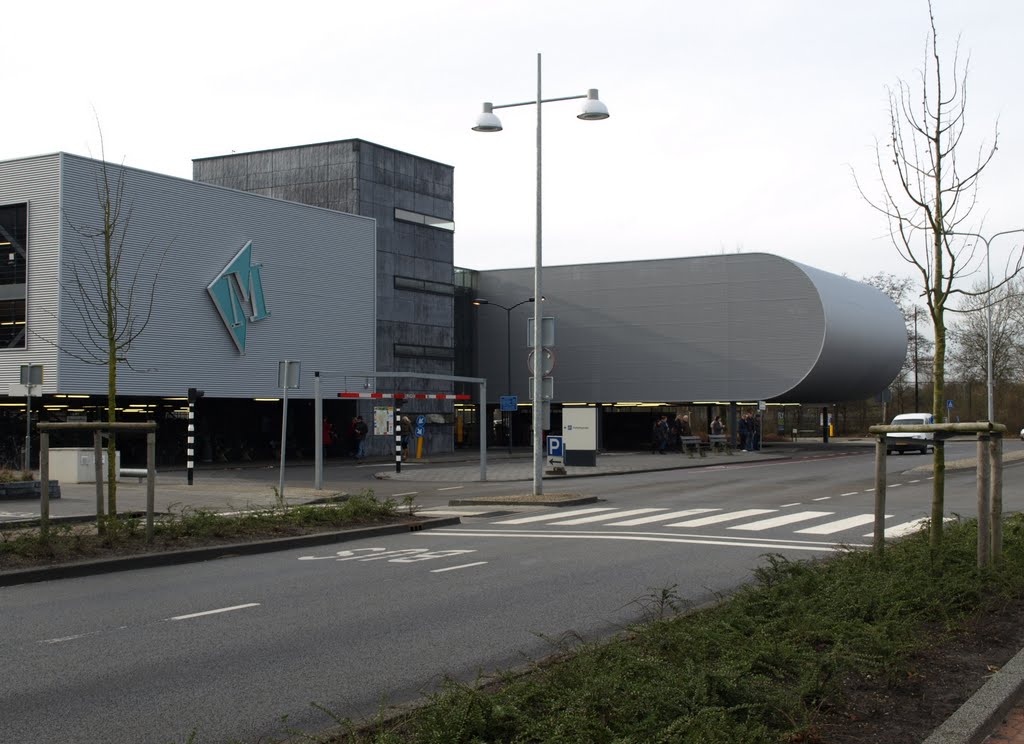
column 398, row 436
column 190, row 453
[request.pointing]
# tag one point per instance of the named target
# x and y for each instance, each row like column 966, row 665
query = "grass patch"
column 185, row 528
column 758, row 667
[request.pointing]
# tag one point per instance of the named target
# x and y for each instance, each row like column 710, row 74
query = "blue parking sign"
column 555, row 447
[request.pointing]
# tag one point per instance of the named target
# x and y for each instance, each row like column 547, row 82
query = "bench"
column 139, row 473
column 689, row 445
column 719, row 443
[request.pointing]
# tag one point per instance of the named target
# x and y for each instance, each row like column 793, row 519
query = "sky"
column 736, row 126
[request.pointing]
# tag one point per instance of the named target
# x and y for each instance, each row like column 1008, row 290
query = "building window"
column 424, row 285
column 416, row 351
column 404, row 215
column 13, row 274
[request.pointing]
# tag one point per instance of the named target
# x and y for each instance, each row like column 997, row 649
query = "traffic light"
column 194, row 395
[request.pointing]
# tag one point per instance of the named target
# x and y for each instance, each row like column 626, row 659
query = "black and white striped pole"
column 398, row 436
column 190, row 462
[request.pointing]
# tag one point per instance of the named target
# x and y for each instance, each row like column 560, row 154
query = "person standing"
column 406, row 435
column 744, row 432
column 329, row 436
column 361, row 430
column 660, row 435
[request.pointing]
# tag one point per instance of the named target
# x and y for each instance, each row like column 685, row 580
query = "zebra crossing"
column 810, row 522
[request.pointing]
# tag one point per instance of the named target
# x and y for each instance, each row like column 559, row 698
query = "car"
column 920, row 441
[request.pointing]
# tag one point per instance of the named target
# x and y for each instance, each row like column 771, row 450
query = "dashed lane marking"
column 214, row 612
column 786, row 506
column 850, row 493
column 451, row 488
column 407, row 493
column 822, row 498
column 456, row 568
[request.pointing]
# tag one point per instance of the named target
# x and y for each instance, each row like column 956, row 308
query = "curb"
column 194, row 555
column 974, row 720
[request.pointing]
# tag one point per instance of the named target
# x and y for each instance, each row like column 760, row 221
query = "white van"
column 921, row 442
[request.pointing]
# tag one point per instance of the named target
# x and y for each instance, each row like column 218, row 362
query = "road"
column 227, row 648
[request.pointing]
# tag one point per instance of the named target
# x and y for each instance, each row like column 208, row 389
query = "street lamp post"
column 988, row 310
column 508, row 349
column 593, row 110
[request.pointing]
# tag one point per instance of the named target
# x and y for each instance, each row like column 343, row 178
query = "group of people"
column 357, row 433
column 749, row 431
column 668, row 433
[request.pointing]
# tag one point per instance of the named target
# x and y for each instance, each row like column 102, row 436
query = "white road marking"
column 907, row 528
column 214, row 612
column 456, row 568
column 916, row 481
column 716, row 518
column 680, row 539
column 451, row 488
column 660, row 517
column 786, row 506
column 830, row 528
column 602, row 517
column 822, row 498
column 65, row 639
column 850, row 493
column 895, row 485
column 549, row 515
column 765, row 524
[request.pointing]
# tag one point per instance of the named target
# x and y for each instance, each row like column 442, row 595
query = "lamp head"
column 481, row 301
column 487, row 121
column 593, row 109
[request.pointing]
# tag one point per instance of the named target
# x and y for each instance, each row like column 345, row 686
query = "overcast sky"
column 735, row 125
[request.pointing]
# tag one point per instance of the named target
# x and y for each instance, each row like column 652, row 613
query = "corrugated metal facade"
column 36, row 181
column 318, row 274
column 740, row 327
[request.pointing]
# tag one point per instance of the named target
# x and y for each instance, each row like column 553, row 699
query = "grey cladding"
column 715, row 328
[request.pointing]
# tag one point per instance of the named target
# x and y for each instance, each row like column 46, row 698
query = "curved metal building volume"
column 738, row 327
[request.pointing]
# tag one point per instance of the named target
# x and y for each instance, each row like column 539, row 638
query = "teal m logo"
column 237, row 294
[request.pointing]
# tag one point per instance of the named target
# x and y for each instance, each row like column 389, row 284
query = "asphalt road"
column 227, row 648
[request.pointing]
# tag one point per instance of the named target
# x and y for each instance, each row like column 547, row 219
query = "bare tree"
column 112, row 301
column 899, row 289
column 927, row 195
column 969, row 334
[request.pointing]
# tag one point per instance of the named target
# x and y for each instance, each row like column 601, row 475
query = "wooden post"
column 880, row 455
column 44, row 484
column 996, row 450
column 984, row 545
column 150, row 483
